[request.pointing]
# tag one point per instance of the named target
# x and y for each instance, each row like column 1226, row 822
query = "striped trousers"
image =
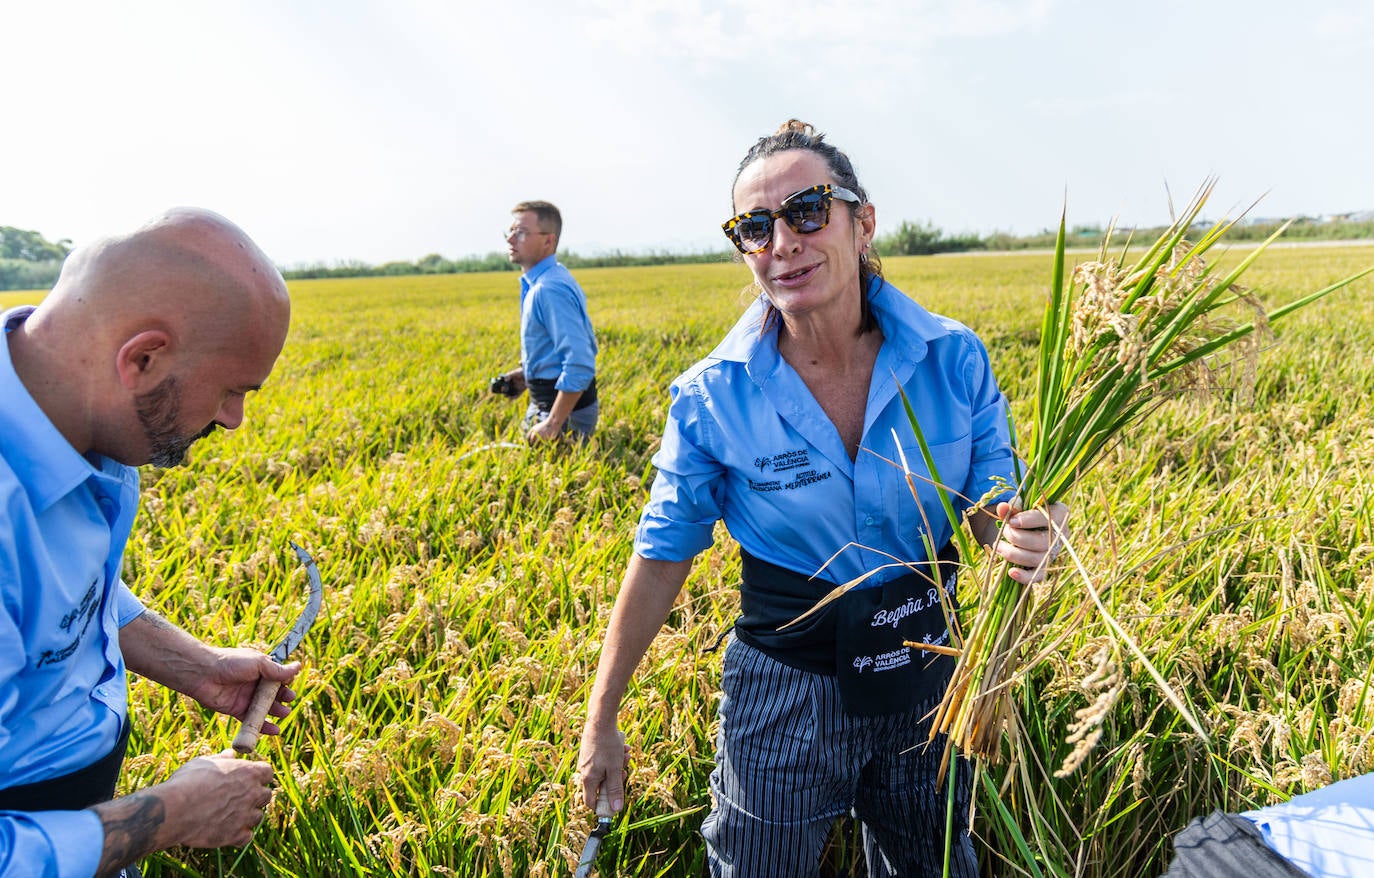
column 790, row 761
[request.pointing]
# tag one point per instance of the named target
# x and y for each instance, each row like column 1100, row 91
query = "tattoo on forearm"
column 131, row 827
column 157, row 621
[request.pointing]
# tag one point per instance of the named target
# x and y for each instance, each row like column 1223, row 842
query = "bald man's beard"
column 159, row 411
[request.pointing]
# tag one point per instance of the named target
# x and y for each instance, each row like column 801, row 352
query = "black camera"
column 502, row 385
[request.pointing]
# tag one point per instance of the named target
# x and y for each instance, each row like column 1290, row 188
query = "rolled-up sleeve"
column 50, row 844
column 127, row 606
column 685, row 501
column 573, row 339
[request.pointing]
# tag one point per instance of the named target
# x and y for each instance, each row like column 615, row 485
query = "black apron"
column 75, row 791
column 859, row 638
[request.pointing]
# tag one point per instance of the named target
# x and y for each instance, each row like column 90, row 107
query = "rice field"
column 467, row 583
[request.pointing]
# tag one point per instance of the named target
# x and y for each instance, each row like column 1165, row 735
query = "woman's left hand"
column 1030, row 539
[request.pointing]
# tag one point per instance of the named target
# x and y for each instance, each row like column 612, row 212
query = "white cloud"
column 803, row 33
column 378, row 131
column 1351, row 25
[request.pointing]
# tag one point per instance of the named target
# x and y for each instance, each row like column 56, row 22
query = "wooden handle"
column 603, row 805
column 247, row 738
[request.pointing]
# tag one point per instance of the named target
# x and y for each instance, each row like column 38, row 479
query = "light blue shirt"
column 1328, row 833
column 556, row 337
column 746, row 442
column 64, row 521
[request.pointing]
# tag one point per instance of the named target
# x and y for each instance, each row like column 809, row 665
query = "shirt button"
column 869, row 521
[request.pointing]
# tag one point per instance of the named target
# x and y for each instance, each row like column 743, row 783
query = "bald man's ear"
column 141, row 360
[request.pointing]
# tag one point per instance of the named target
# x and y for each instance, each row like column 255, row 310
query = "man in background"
column 557, row 343
column 148, row 342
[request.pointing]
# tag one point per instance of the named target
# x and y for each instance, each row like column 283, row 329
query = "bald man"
column 148, row 342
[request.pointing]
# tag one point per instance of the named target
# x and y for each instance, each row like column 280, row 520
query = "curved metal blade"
column 584, row 864
column 298, row 631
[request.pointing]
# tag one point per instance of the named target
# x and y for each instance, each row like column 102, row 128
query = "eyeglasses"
column 518, row 234
column 805, row 212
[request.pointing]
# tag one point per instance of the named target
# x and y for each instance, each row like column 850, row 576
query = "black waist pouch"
column 876, row 672
column 770, row 598
column 543, row 392
column 71, row 792
column 858, row 639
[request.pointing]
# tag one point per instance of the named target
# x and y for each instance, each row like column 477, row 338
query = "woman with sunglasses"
column 788, row 432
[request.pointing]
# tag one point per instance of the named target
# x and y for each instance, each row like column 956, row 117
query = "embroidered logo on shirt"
column 810, row 477
column 83, row 614
column 785, row 462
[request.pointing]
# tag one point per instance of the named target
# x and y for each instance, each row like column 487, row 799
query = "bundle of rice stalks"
column 1117, row 340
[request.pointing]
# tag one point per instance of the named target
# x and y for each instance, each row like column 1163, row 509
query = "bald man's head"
column 191, row 268
column 156, row 335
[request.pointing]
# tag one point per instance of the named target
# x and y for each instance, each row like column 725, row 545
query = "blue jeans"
column 581, row 423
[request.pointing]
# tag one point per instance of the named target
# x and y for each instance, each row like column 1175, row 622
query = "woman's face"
column 817, row 274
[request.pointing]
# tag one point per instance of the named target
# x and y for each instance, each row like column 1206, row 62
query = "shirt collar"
column 906, row 326
column 910, row 327
column 530, row 277
column 42, row 459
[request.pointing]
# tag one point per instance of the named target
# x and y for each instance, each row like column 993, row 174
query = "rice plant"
column 1118, row 339
column 467, row 581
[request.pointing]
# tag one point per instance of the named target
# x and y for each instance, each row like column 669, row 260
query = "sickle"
column 266, row 693
column 604, row 816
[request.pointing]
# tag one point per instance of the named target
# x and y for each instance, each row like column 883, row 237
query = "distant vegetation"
column 909, row 239
column 1353, row 227
column 28, row 261
column 497, row 261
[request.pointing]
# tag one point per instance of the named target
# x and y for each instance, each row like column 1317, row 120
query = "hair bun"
column 796, row 126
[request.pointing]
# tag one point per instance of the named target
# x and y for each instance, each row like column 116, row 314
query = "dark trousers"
column 1223, row 845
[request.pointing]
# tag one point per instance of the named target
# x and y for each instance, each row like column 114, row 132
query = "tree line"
column 28, row 261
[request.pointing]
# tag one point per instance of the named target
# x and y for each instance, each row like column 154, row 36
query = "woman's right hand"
column 601, row 763
column 646, row 597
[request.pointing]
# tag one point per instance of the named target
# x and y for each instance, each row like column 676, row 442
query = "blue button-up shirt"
column 746, row 442
column 64, row 521
column 556, row 337
column 1328, row 833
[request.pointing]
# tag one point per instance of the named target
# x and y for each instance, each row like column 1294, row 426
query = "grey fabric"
column 1223, row 845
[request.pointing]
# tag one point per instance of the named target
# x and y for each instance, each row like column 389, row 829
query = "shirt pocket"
column 952, row 461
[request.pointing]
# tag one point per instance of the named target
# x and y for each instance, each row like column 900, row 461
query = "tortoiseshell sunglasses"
column 805, row 212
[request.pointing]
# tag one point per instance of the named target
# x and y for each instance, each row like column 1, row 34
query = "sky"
column 378, row 131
